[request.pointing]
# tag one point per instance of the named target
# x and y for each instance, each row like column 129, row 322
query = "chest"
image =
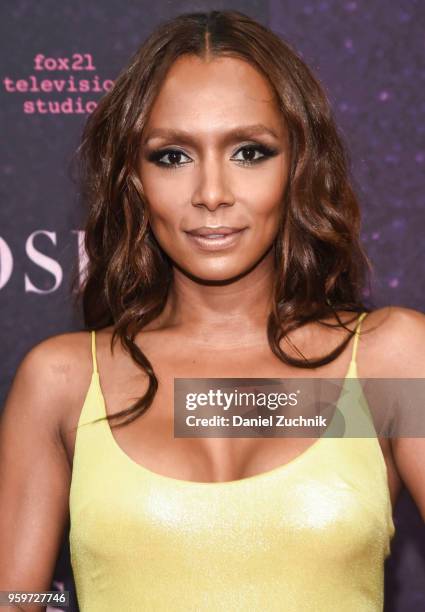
column 149, row 440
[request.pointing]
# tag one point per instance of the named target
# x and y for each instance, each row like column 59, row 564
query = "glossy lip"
column 216, row 244
column 217, row 229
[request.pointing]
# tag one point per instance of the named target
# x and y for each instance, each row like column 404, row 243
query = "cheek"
column 164, row 193
column 263, row 193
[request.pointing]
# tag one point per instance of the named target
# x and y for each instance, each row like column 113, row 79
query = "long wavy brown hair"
column 320, row 265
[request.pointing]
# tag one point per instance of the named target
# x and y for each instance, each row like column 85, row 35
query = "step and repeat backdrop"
column 59, row 58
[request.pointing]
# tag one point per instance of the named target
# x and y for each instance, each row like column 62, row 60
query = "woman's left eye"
column 251, row 150
column 250, row 154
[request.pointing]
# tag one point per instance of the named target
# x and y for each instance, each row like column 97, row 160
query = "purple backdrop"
column 369, row 57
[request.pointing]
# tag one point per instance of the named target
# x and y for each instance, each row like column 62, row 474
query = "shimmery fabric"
column 310, row 535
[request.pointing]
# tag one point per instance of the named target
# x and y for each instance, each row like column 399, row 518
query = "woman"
column 216, row 126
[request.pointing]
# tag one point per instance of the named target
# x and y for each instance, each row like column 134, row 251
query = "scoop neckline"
column 212, row 484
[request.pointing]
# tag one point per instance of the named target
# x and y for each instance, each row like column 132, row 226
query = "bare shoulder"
column 392, row 342
column 52, row 377
column 60, row 360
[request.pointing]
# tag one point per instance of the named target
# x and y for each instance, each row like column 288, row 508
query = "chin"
column 220, row 274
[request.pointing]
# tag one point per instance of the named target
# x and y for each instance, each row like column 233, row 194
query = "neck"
column 231, row 313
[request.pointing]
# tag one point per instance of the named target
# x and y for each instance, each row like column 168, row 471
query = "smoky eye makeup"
column 252, row 149
column 246, row 155
column 174, row 156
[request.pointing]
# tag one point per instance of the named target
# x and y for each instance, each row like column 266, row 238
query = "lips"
column 215, row 239
column 214, row 232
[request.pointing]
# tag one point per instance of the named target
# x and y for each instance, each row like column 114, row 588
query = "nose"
column 212, row 188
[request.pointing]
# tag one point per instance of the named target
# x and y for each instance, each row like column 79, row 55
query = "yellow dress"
column 309, row 535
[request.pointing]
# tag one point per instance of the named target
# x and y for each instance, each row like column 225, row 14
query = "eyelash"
column 267, row 152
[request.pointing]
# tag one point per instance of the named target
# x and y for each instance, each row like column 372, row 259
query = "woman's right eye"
column 174, row 157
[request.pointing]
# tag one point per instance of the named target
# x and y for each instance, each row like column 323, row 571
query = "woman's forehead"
column 220, row 91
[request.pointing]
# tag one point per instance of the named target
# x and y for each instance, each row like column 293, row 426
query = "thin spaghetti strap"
column 356, row 337
column 93, row 351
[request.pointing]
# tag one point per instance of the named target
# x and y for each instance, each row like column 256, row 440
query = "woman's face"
column 215, row 152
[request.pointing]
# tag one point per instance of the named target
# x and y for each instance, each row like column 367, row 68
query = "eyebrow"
column 184, row 136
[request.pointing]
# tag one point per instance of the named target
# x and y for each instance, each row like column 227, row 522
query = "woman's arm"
column 408, row 355
column 34, row 473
